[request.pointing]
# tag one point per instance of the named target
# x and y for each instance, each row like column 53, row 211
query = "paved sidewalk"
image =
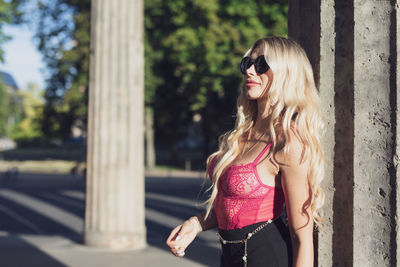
column 57, row 251
column 41, row 225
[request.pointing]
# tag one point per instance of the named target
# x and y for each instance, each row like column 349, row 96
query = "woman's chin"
column 251, row 95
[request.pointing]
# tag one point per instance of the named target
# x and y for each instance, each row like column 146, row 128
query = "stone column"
column 396, row 160
column 114, row 216
column 343, row 163
column 374, row 133
column 311, row 24
column 356, row 44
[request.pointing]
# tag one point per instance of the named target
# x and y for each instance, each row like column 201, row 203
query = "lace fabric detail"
column 242, row 181
column 243, row 199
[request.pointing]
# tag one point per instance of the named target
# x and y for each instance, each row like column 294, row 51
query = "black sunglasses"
column 260, row 64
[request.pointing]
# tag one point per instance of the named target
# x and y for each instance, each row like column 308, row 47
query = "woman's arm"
column 209, row 223
column 297, row 198
column 184, row 234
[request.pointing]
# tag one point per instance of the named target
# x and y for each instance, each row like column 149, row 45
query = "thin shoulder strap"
column 262, row 153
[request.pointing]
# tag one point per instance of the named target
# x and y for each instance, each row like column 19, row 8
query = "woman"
column 271, row 159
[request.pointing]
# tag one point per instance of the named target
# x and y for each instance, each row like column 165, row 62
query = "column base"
column 121, row 240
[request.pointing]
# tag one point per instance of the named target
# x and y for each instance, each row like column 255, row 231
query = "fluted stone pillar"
column 114, row 215
column 356, row 43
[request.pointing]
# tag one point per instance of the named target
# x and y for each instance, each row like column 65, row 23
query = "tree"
column 195, row 49
column 28, row 127
column 63, row 32
column 192, row 52
column 9, row 14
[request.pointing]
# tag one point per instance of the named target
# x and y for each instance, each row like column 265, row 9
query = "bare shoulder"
column 296, row 152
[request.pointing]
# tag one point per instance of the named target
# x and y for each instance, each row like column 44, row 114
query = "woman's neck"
column 263, row 114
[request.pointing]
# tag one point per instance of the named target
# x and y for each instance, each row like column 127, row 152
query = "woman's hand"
column 182, row 235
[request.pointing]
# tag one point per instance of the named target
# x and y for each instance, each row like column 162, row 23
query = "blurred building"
column 8, row 80
column 15, row 105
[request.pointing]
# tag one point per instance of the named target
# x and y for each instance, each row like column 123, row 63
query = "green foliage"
column 192, row 52
column 203, row 41
column 198, row 46
column 63, row 31
column 28, row 127
column 11, row 110
column 9, row 14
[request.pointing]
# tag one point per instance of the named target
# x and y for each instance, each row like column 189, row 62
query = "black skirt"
column 271, row 246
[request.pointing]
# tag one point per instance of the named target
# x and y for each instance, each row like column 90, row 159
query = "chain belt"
column 249, row 235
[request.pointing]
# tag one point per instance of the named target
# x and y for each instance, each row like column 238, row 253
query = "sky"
column 22, row 60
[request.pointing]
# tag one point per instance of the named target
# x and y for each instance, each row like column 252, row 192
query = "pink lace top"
column 243, row 199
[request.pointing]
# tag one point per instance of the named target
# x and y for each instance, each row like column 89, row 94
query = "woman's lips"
column 252, row 83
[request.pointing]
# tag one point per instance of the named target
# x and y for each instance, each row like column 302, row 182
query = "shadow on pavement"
column 12, row 247
column 176, row 198
column 18, row 215
column 199, row 251
column 17, row 219
column 169, row 201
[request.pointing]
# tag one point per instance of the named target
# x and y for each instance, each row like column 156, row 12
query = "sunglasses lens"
column 245, row 64
column 261, row 65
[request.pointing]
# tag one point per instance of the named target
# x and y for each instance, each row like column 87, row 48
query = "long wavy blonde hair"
column 294, row 101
